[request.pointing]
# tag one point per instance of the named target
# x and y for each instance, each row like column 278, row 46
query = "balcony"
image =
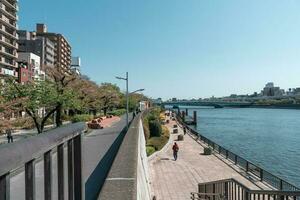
column 5, row 32
column 8, row 63
column 8, row 53
column 8, row 22
column 7, row 42
column 12, row 15
column 11, row 5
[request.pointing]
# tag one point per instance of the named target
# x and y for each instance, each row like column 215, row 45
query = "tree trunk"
column 94, row 112
column 58, row 115
column 105, row 111
column 37, row 125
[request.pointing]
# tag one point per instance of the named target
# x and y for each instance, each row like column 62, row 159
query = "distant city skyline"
column 175, row 48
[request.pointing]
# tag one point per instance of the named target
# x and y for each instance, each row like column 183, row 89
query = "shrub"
column 155, row 128
column 117, row 112
column 165, row 131
column 65, row 117
column 146, row 128
column 23, row 122
column 150, row 150
column 81, row 118
column 157, row 142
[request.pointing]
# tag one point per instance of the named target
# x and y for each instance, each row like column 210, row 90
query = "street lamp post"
column 127, row 101
column 127, row 96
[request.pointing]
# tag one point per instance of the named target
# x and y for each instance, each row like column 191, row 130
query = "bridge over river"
column 216, row 104
column 111, row 164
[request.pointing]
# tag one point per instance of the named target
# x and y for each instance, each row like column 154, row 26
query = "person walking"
column 175, row 150
column 9, row 135
column 184, row 130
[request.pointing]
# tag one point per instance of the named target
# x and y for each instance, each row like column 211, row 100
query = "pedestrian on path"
column 175, row 150
column 9, row 136
column 184, row 130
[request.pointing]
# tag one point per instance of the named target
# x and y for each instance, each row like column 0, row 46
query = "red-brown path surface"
column 108, row 122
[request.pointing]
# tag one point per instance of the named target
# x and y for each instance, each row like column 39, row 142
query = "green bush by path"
column 150, row 150
column 155, row 128
column 158, row 142
column 81, row 118
column 118, row 112
column 156, row 134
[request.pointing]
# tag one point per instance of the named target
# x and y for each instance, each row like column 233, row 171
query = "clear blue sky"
column 179, row 48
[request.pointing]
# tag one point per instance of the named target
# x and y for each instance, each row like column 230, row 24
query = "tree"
column 133, row 102
column 32, row 97
column 110, row 96
column 87, row 94
column 7, row 109
column 61, row 79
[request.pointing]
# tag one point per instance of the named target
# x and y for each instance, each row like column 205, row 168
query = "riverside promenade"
column 175, row 180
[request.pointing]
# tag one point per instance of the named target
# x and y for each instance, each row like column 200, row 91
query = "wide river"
column 267, row 137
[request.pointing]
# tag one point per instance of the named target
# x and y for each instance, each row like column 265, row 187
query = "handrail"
column 232, row 189
column 247, row 166
column 296, row 193
column 18, row 153
column 26, row 153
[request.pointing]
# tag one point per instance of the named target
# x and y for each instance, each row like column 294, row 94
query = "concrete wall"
column 128, row 176
column 143, row 188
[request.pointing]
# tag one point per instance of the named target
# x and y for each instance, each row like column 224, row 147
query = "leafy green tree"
column 31, row 97
column 88, row 95
column 133, row 102
column 61, row 80
column 110, row 96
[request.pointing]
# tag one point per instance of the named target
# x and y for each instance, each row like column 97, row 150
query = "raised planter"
column 207, row 151
column 180, row 137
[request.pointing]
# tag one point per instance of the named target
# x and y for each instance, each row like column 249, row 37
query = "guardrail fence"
column 26, row 153
column 247, row 166
column 230, row 189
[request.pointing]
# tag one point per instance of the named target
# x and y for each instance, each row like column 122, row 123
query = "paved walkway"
column 175, row 180
column 25, row 133
column 95, row 145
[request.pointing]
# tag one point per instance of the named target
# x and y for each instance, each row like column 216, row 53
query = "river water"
column 269, row 138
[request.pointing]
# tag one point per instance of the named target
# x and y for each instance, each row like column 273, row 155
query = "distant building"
column 76, row 65
column 8, row 38
column 62, row 48
column 41, row 46
column 271, row 91
column 157, row 101
column 29, row 67
column 174, row 99
column 144, row 105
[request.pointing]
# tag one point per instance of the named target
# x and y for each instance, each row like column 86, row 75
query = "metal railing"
column 26, row 153
column 231, row 189
column 247, row 166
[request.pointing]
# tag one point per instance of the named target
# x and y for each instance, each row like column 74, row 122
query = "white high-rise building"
column 8, row 38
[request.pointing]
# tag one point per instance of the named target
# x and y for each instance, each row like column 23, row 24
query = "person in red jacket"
column 175, row 150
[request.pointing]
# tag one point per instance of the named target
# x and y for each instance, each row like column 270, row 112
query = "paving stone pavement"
column 175, row 180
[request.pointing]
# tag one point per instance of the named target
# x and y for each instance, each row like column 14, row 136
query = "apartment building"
column 41, row 46
column 8, row 38
column 62, row 48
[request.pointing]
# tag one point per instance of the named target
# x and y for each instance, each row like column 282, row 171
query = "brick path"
column 175, row 180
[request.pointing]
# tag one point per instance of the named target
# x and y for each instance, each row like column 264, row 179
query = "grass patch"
column 118, row 112
column 150, row 150
column 156, row 134
column 157, row 143
column 82, row 118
